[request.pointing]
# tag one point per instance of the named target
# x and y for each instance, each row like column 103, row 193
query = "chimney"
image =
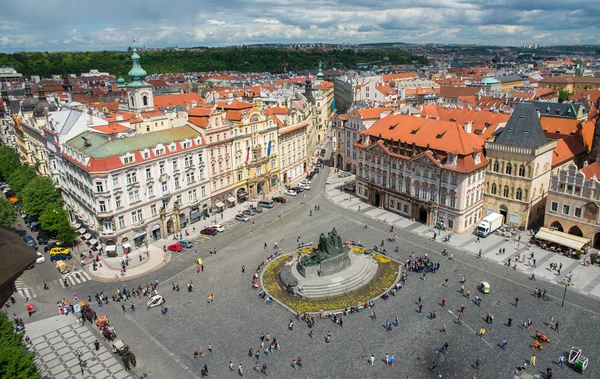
column 468, row 127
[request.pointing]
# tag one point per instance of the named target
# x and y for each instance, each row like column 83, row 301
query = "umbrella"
column 29, row 307
column 199, row 261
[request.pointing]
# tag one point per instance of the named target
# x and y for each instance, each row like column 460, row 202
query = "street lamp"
column 567, row 283
column 82, row 363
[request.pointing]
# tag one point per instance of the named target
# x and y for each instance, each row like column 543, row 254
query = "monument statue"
column 329, row 246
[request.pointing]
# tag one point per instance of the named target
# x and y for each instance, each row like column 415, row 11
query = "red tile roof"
column 591, row 170
column 171, row 101
column 566, row 149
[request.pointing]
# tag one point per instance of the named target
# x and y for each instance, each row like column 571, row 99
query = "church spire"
column 137, row 73
column 320, row 75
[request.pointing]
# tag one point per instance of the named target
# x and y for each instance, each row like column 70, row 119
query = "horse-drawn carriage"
column 108, row 332
column 127, row 356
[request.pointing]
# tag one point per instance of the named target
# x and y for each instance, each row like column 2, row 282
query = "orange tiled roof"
column 111, row 129
column 591, row 170
column 400, row 75
column 171, row 101
column 439, row 135
column 566, row 149
column 560, row 126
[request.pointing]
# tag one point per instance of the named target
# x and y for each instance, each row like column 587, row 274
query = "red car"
column 209, row 231
column 175, row 247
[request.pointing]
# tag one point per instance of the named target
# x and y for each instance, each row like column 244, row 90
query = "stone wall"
column 335, row 265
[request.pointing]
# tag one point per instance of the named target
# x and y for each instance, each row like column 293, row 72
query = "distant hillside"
column 235, row 59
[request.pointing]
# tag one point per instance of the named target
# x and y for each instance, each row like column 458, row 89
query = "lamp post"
column 82, row 363
column 567, row 283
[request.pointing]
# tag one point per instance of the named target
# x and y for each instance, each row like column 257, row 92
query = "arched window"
column 131, row 101
column 493, row 188
column 496, row 166
column 529, row 171
column 509, row 169
column 145, row 100
column 526, row 194
column 521, row 170
column 519, row 195
column 505, row 191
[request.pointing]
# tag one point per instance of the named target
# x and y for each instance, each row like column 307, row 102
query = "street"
column 165, row 344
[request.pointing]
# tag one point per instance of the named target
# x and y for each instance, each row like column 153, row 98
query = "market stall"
column 561, row 242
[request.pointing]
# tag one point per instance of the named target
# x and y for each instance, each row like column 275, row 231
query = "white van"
column 266, row 203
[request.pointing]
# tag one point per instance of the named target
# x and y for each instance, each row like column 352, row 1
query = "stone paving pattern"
column 55, row 340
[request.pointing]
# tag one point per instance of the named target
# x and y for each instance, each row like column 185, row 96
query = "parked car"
column 209, row 231
column 310, row 176
column 30, row 242
column 218, row 227
column 319, row 164
column 45, row 237
column 297, row 189
column 249, row 212
column 305, row 186
column 241, row 217
column 40, row 258
column 186, row 243
column 35, row 227
column 258, row 209
column 305, row 181
column 175, row 247
column 60, row 250
column 350, row 188
column 317, row 170
column 50, row 244
column 290, row 192
column 279, row 199
column 330, row 164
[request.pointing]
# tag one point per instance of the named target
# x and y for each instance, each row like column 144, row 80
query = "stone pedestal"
column 327, row 267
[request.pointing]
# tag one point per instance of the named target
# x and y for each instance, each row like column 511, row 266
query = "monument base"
column 327, row 267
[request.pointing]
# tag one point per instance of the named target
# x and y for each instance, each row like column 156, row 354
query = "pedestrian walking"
column 516, row 301
column 420, row 308
column 550, row 322
column 231, row 365
column 374, row 315
column 504, row 342
column 291, row 325
column 556, row 327
column 372, row 360
column 201, row 351
column 210, row 348
column 468, row 293
column 387, row 359
column 123, row 307
column 197, row 271
column 257, row 354
column 477, row 363
column 132, row 307
column 419, row 300
column 459, row 320
column 561, row 361
column 510, row 320
column 532, row 359
column 97, row 345
column 240, row 370
column 265, row 245
column 443, row 302
column 481, row 332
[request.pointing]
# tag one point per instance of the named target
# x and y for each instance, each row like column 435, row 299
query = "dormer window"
column 146, row 154
column 186, row 144
column 128, row 158
column 477, row 158
column 451, row 159
column 172, row 147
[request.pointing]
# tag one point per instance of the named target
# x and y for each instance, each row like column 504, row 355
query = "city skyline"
column 110, row 25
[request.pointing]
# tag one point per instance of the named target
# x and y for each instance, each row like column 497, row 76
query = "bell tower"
column 140, row 95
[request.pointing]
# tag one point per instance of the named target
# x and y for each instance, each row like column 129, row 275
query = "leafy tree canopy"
column 37, row 194
column 7, row 212
column 15, row 361
column 217, row 59
column 563, row 95
column 55, row 219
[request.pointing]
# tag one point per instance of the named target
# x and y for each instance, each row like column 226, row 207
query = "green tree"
column 15, row 361
column 563, row 95
column 7, row 212
column 37, row 194
column 55, row 219
column 20, row 177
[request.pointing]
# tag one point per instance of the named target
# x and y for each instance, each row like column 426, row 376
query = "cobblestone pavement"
column 55, row 340
column 164, row 344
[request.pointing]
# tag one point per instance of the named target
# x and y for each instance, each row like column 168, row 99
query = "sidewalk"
column 157, row 257
column 585, row 279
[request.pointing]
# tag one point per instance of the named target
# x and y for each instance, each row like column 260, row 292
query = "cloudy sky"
column 50, row 25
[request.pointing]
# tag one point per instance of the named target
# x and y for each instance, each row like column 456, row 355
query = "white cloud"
column 332, row 21
column 265, row 21
column 216, row 22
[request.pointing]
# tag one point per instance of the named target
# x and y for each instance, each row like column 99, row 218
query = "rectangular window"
column 161, row 168
column 102, row 206
column 578, row 212
column 134, row 196
column 99, row 187
column 566, row 209
column 443, row 198
column 148, row 173
column 175, row 166
column 127, row 160
column 118, row 201
column 405, row 208
column 392, row 203
column 190, row 177
column 131, row 178
column 454, row 179
column 453, row 201
column 136, row 216
column 165, row 187
column 121, row 222
column 188, row 161
column 150, row 191
column 115, row 182
column 553, row 206
column 153, row 209
column 107, row 225
column 203, row 191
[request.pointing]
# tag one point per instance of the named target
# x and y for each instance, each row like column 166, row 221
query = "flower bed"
column 386, row 276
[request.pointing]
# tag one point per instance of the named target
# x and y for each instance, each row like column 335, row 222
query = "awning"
column 156, row 227
column 126, row 245
column 81, row 230
column 111, row 248
column 87, row 236
column 139, row 234
column 563, row 239
column 93, row 241
column 231, row 199
column 219, row 204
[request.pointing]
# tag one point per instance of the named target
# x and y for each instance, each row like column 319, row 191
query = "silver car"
column 241, row 217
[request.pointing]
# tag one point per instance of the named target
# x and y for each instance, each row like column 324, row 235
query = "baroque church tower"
column 141, row 97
